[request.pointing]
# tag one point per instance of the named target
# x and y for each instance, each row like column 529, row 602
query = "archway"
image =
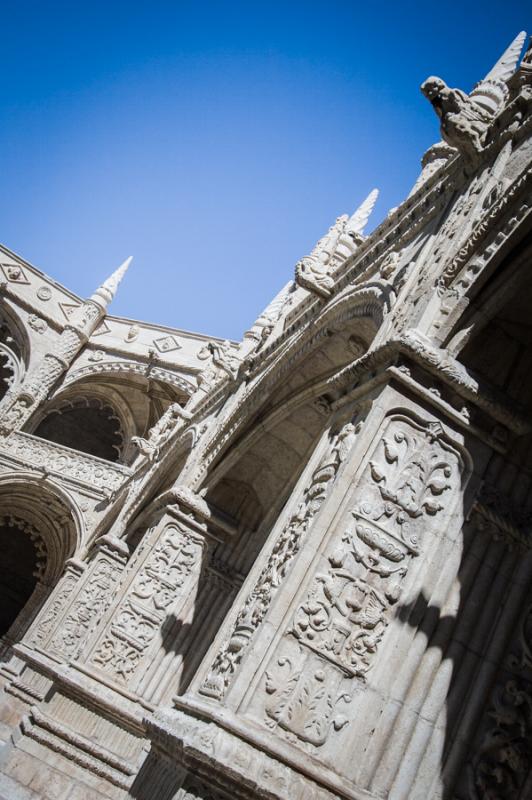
column 13, row 346
column 86, row 424
column 23, row 560
column 39, row 530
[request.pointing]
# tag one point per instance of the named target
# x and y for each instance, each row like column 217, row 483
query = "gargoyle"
column 466, row 119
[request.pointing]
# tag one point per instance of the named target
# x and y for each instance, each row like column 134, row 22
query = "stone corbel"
column 204, row 516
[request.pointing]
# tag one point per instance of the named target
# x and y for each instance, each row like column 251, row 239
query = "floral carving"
column 139, row 617
column 94, row 598
column 272, row 576
column 47, row 622
column 338, row 625
column 301, row 703
column 346, row 611
column 411, row 478
column 501, row 762
column 505, row 758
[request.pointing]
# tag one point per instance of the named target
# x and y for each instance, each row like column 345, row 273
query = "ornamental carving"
column 302, row 703
column 55, row 607
column 466, row 118
column 37, row 323
column 315, row 271
column 506, row 753
column 158, row 584
column 277, row 566
column 53, row 611
column 59, row 460
column 339, row 624
column 222, row 362
column 503, row 761
column 347, row 609
column 93, row 600
column 160, row 432
column 312, row 271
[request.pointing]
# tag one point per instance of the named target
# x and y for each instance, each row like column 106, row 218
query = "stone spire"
column 507, row 63
column 358, row 221
column 488, row 93
column 106, row 292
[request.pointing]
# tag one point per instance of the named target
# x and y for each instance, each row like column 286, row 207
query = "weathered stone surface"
column 302, row 566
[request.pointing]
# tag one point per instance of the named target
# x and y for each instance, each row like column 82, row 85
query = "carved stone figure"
column 465, row 119
column 160, row 432
column 314, row 271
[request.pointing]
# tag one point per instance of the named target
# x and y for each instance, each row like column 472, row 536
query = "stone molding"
column 146, row 370
column 239, row 758
column 72, row 466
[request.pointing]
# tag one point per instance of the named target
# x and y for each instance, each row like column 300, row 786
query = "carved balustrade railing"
column 55, row 459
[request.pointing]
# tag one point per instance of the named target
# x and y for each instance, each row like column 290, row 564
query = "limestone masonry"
column 296, row 567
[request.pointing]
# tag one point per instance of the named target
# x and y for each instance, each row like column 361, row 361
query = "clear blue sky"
column 216, row 141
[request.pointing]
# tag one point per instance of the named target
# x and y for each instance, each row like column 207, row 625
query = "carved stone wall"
column 310, row 576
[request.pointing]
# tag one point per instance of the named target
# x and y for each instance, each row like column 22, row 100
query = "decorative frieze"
column 235, row 766
column 64, row 462
column 164, row 579
column 336, row 630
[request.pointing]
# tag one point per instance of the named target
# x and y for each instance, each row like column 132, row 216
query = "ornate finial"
column 105, row 293
column 507, row 63
column 489, row 92
column 358, row 221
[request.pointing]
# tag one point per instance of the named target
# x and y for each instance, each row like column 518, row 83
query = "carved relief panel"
column 279, row 560
column 163, row 583
column 333, row 635
column 84, row 611
column 56, row 605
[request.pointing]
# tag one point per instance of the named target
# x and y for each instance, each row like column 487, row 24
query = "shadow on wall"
column 473, row 688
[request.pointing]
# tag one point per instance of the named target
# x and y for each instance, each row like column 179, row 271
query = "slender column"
column 160, row 593
column 80, row 600
column 56, row 605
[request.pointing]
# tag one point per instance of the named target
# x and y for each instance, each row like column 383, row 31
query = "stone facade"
column 298, row 566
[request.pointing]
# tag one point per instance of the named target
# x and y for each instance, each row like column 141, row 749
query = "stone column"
column 42, row 378
column 158, row 597
column 79, row 600
column 324, row 662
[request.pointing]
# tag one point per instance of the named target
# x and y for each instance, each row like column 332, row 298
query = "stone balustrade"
column 69, row 464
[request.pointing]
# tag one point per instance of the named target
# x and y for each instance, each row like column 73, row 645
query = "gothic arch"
column 178, row 387
column 91, row 419
column 40, row 528
column 136, row 403
column 299, row 376
column 14, row 350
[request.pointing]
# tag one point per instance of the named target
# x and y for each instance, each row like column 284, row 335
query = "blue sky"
column 216, row 141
